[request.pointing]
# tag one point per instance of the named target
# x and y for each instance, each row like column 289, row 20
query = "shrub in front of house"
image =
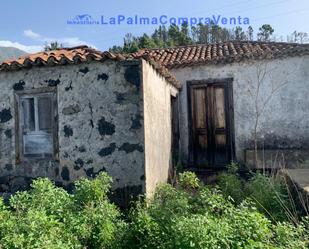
column 195, row 216
column 271, row 196
column 189, row 215
column 232, row 186
column 48, row 217
column 270, row 193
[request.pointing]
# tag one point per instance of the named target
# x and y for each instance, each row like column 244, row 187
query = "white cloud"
column 26, row 48
column 29, row 33
column 65, row 41
column 38, row 38
column 73, row 41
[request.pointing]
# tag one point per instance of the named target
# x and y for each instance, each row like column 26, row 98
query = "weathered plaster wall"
column 157, row 121
column 285, row 121
column 100, row 125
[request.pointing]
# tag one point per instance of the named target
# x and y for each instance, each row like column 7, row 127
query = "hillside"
column 10, row 53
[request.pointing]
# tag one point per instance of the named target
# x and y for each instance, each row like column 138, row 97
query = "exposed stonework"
column 8, row 133
column 107, row 150
column 136, row 122
column 68, row 131
column 79, row 163
column 128, row 148
column 65, row 174
column 71, row 109
column 103, row 76
column 96, row 133
column 52, row 82
column 19, row 86
column 5, row 115
column 84, row 70
column 105, row 128
column 132, row 75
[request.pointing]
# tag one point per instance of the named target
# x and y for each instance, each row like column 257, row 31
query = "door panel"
column 200, row 100
column 210, row 125
column 220, row 131
column 200, row 125
column 219, row 109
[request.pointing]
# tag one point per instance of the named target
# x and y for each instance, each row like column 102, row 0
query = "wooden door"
column 211, row 137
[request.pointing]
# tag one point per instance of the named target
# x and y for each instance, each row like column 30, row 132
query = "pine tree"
column 52, row 46
column 250, row 33
column 183, row 35
column 265, row 33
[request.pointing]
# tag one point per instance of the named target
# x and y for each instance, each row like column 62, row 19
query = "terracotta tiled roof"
column 61, row 56
column 76, row 55
column 163, row 59
column 222, row 53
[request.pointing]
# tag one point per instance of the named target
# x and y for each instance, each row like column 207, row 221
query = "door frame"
column 229, row 113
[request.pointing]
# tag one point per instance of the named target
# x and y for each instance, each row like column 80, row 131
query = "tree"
column 194, row 34
column 303, row 37
column 225, row 35
column 184, row 38
column 203, row 34
column 179, row 36
column 116, row 49
column 130, row 43
column 256, row 83
column 160, row 37
column 250, row 33
column 146, row 42
column 265, row 33
column 183, row 35
column 52, row 46
column 240, row 35
column 163, row 34
column 215, row 33
column 298, row 37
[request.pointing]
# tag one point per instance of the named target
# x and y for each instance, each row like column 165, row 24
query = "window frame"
column 35, row 93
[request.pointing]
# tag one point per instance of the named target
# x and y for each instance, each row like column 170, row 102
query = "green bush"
column 271, row 196
column 232, row 186
column 269, row 193
column 176, row 218
column 188, row 180
column 290, row 236
column 48, row 217
column 189, row 215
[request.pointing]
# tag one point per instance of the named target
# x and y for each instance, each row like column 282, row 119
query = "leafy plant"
column 232, row 168
column 189, row 215
column 183, row 217
column 188, row 180
column 269, row 193
column 48, row 217
column 232, row 186
column 271, row 196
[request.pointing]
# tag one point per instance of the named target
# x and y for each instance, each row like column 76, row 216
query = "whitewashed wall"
column 285, row 121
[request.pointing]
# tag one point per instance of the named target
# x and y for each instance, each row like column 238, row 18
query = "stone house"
column 75, row 112
column 238, row 94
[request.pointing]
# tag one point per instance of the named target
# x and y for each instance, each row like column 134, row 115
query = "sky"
column 29, row 24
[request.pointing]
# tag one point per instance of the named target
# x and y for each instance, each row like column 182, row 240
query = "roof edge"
column 77, row 55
